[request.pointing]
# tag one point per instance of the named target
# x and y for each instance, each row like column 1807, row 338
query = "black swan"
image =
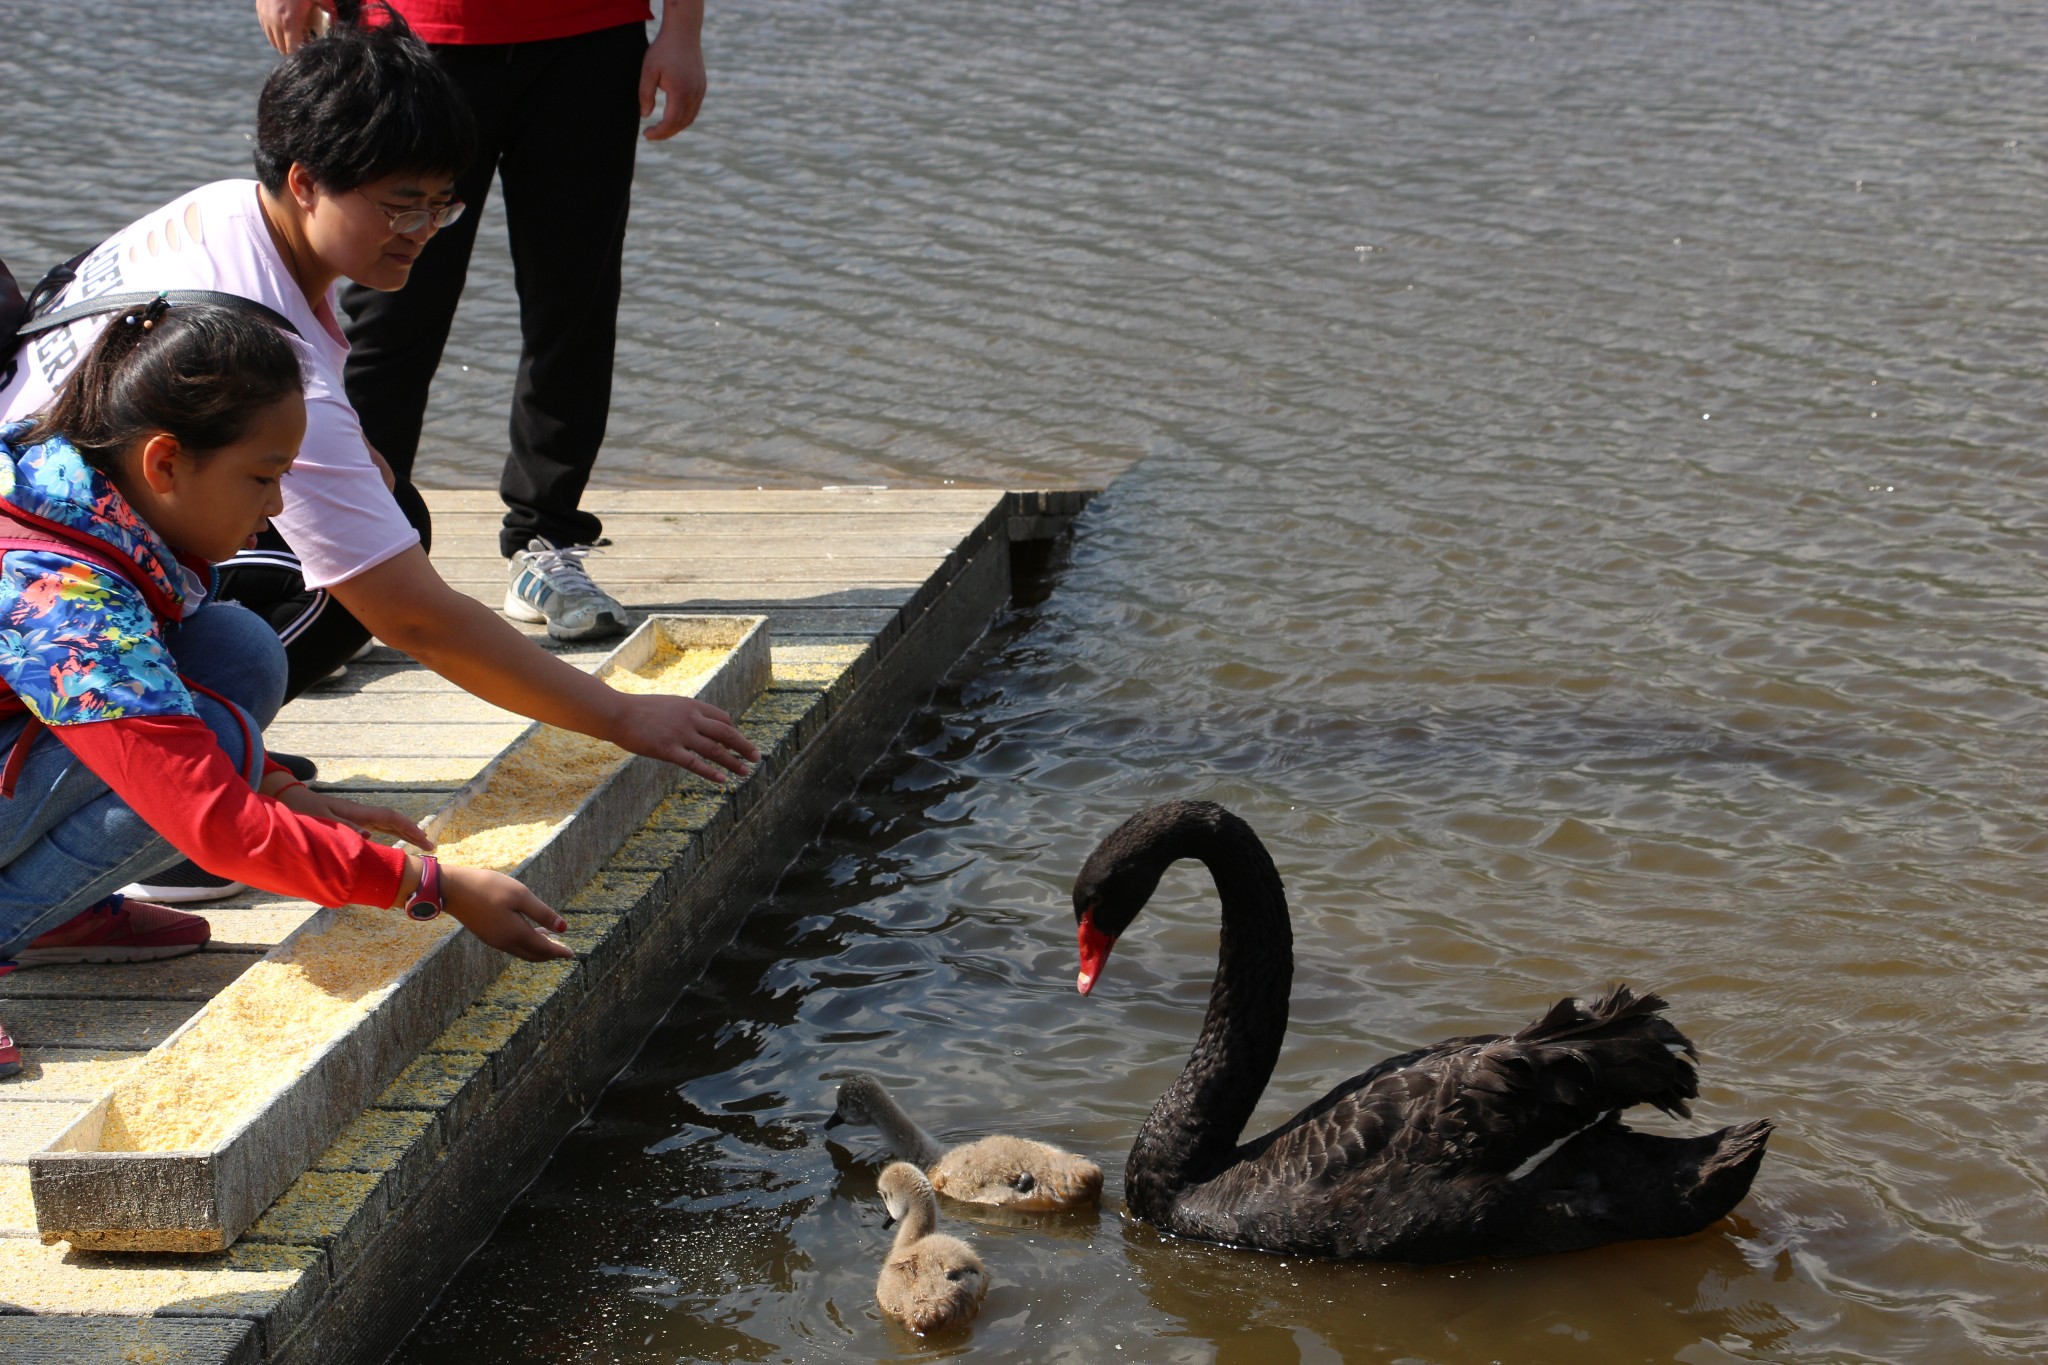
column 1482, row 1146
column 1009, row 1172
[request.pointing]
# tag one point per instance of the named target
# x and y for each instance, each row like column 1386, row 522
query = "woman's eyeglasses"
column 404, row 222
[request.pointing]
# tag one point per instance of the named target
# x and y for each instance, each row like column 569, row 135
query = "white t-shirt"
column 338, row 516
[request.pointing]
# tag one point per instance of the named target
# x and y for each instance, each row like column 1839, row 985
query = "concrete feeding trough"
column 200, row 1200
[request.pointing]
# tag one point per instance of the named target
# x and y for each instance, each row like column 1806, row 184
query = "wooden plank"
column 65, row 1073
column 28, row 1125
column 260, row 926
column 388, row 672
column 964, row 502
column 843, row 559
column 17, row 1207
column 426, row 704
column 376, row 678
column 196, row 976
column 273, row 1287
column 95, row 1023
column 814, row 584
column 786, row 620
column 334, row 742
column 684, row 538
column 853, row 558
column 101, row 1340
column 349, row 771
column 635, row 518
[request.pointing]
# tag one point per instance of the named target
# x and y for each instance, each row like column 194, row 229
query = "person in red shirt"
column 558, row 88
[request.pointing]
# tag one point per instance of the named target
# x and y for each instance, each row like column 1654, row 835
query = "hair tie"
column 154, row 311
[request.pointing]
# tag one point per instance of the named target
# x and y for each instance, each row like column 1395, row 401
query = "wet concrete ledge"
column 341, row 1267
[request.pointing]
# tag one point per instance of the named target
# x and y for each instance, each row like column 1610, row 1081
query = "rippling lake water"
column 1586, row 514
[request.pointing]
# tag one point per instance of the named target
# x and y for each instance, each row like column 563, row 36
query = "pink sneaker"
column 10, row 1053
column 118, row 930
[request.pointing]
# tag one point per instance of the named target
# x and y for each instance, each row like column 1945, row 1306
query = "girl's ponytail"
column 196, row 371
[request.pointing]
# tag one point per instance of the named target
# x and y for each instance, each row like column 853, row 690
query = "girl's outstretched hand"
column 363, row 819
column 502, row 913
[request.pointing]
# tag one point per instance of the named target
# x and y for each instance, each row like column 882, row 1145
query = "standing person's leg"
column 567, row 169
column 396, row 338
column 66, row 841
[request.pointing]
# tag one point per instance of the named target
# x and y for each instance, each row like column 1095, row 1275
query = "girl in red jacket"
column 132, row 705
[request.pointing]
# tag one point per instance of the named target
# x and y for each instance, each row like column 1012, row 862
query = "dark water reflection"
column 1587, row 518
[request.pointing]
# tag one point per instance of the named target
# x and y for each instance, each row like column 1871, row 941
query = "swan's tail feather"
column 1612, row 1183
column 1725, row 1176
column 1629, row 1053
column 1570, row 1018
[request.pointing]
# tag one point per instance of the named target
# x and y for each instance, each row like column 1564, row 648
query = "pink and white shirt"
column 338, row 518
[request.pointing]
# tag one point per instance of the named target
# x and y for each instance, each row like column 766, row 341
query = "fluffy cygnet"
column 931, row 1282
column 1013, row 1172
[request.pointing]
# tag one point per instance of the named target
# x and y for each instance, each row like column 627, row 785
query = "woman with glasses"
column 559, row 89
column 359, row 138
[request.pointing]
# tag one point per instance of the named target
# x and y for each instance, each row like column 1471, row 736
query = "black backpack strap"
column 16, row 310
column 108, row 303
column 54, row 283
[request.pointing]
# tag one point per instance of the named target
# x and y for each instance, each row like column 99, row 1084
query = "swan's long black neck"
column 1192, row 1133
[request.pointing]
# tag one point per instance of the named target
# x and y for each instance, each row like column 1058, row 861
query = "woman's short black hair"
column 363, row 102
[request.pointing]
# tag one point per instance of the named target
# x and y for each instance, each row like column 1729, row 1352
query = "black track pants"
column 318, row 632
column 558, row 122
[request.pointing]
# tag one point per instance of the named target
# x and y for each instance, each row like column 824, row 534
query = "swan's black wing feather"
column 1458, row 1118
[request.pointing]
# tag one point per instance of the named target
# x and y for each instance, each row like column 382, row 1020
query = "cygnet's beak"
column 1095, row 946
column 834, row 1121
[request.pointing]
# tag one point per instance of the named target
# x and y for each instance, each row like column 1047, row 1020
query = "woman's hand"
column 501, row 912
column 684, row 731
column 287, row 23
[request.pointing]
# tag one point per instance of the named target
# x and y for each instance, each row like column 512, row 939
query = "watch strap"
column 425, row 901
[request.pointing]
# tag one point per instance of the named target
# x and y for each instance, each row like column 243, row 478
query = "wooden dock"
column 871, row 594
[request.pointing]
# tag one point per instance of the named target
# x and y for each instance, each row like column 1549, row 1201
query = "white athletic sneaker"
column 550, row 584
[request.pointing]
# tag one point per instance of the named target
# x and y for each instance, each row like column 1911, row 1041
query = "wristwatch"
column 426, row 897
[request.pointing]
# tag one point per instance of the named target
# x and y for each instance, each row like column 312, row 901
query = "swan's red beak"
column 1095, row 946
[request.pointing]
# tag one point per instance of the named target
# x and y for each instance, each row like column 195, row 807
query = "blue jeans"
column 66, row 840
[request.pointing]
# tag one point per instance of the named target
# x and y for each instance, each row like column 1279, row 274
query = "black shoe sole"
column 304, row 769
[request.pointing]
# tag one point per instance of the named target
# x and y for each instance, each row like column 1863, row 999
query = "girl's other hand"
column 502, row 913
column 363, row 819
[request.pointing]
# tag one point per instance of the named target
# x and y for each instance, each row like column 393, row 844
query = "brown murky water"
column 1588, row 519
